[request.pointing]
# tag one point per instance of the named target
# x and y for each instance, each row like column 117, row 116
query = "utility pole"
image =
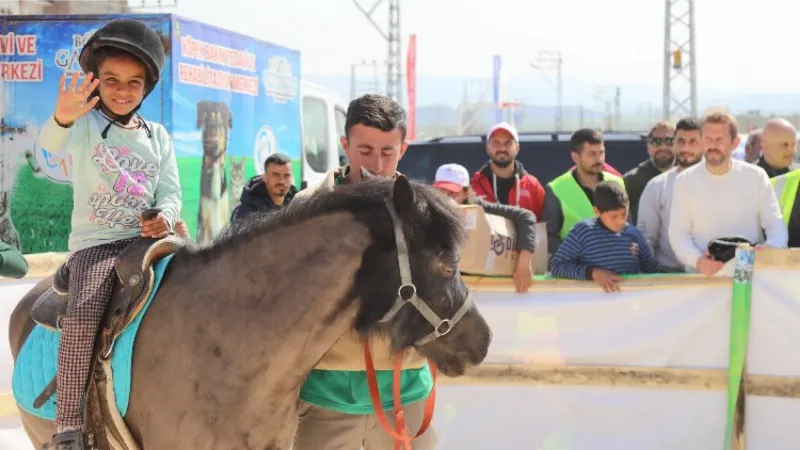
column 359, row 87
column 394, row 73
column 470, row 112
column 613, row 114
column 680, row 63
column 551, row 60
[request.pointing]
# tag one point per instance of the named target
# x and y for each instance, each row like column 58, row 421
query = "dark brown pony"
column 237, row 325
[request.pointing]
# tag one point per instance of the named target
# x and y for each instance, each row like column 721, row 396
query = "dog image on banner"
column 215, row 120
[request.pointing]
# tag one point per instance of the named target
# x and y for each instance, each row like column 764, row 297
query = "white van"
column 324, row 113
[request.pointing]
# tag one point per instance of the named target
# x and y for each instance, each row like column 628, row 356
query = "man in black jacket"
column 267, row 192
column 453, row 180
column 661, row 153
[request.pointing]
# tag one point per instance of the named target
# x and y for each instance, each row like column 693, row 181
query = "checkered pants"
column 91, row 283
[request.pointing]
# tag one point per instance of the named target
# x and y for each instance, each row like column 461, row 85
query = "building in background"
column 27, row 7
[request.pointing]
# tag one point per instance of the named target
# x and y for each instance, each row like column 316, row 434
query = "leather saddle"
column 133, row 286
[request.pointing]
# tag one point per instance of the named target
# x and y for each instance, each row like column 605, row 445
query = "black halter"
column 407, row 293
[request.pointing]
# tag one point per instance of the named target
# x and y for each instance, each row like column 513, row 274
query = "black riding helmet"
column 131, row 36
column 724, row 249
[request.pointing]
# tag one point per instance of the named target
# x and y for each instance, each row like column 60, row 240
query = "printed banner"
column 227, row 100
column 35, row 185
column 236, row 101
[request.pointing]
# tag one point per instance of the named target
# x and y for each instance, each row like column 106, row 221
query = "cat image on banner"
column 237, row 180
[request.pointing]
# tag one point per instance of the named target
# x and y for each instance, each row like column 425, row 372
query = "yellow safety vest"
column 574, row 203
column 785, row 187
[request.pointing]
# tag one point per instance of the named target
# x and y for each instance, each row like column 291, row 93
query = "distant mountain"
column 453, row 90
column 439, row 97
column 781, row 103
column 442, row 114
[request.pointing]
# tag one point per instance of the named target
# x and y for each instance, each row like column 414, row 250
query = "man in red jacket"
column 503, row 179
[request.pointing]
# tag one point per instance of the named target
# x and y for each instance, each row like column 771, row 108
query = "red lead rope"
column 400, row 432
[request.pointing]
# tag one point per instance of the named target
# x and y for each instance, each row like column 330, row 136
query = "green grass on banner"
column 41, row 209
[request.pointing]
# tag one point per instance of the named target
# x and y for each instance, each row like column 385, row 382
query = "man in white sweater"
column 722, row 197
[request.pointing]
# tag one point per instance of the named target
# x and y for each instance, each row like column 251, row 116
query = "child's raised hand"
column 71, row 103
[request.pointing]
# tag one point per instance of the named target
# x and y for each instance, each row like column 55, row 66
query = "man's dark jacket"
column 771, row 171
column 255, row 199
column 635, row 181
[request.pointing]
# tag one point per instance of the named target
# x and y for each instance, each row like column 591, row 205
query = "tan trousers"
column 324, row 429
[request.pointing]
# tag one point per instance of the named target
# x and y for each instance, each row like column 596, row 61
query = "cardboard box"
column 490, row 245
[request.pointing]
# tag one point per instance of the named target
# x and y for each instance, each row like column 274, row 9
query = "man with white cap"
column 503, row 179
column 453, row 181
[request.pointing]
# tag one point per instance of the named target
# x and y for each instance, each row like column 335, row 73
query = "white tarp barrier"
column 579, row 418
column 659, row 327
column 665, row 327
column 576, row 324
column 775, row 324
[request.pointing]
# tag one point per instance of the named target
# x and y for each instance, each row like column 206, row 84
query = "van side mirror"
column 303, row 184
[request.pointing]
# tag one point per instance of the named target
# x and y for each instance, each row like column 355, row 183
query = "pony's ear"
column 403, row 196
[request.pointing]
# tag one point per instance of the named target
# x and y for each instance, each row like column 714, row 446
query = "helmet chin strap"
column 121, row 119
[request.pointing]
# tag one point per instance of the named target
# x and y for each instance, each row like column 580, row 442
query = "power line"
column 364, row 85
column 611, row 99
column 394, row 73
column 552, row 60
column 471, row 111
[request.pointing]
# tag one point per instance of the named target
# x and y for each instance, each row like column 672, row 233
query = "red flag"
column 411, row 77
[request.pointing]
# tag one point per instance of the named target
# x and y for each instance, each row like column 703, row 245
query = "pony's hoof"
column 71, row 440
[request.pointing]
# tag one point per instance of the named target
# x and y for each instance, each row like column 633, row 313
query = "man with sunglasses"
column 779, row 146
column 660, row 148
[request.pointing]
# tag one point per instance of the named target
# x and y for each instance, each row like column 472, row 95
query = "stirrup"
column 70, row 440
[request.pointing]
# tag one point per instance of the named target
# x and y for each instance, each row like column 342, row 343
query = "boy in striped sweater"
column 602, row 248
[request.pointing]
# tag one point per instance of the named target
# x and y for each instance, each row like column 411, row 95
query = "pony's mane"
column 358, row 198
